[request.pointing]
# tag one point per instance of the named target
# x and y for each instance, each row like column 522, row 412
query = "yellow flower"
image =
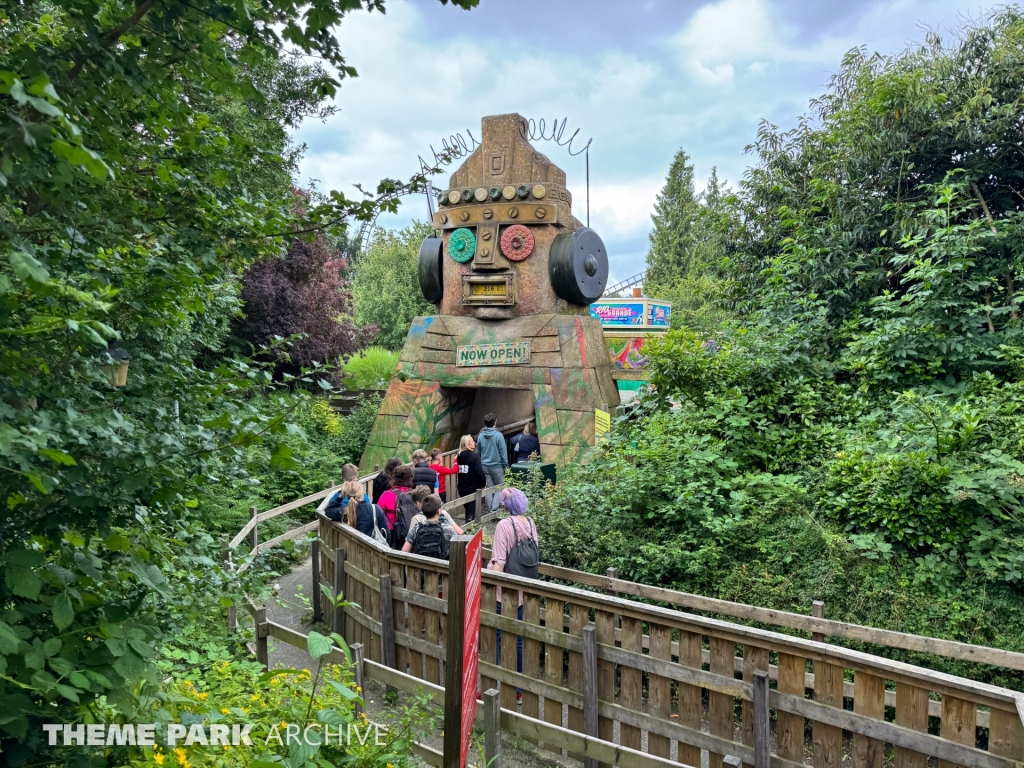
column 227, row 747
column 188, row 683
column 255, row 697
column 179, row 754
column 204, row 696
column 159, row 759
column 245, row 710
column 359, row 689
column 283, row 724
column 306, row 672
column 275, row 681
column 225, row 711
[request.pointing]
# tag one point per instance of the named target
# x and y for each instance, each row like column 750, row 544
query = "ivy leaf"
column 63, row 613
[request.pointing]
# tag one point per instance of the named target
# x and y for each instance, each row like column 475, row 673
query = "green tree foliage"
column 891, row 217
column 144, row 163
column 853, row 433
column 386, row 289
column 689, row 241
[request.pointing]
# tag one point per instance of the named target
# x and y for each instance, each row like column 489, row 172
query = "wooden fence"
column 664, row 672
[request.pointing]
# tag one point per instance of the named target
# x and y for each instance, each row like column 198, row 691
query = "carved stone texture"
column 430, row 400
column 505, row 157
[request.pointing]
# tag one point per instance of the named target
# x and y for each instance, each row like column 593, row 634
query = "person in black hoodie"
column 525, row 444
column 382, row 482
column 422, row 474
column 471, row 473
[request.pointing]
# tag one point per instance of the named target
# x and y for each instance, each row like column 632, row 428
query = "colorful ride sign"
column 509, row 353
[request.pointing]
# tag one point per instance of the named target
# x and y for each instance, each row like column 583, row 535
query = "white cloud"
column 702, row 83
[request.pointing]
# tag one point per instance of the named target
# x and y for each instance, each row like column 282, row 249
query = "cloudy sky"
column 642, row 78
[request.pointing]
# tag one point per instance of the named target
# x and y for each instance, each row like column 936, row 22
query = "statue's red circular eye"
column 517, row 242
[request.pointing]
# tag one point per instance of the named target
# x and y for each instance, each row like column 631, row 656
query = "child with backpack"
column 397, row 496
column 431, row 532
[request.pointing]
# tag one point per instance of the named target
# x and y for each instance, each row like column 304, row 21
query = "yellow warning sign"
column 602, row 425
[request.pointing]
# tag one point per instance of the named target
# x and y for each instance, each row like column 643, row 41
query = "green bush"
column 371, row 368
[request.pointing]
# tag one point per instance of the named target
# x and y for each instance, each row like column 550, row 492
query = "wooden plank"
column 911, row 712
column 401, row 615
column 294, row 533
column 828, row 688
column 789, row 732
column 604, row 625
column 578, row 616
column 432, row 629
column 984, row 694
column 869, row 700
column 488, row 648
column 553, row 660
column 959, row 722
column 659, row 689
column 949, row 648
column 455, row 689
column 754, row 659
column 760, row 718
column 492, row 729
column 689, row 696
column 721, row 705
column 630, row 680
column 339, row 587
column 387, row 621
column 1006, row 735
column 509, row 608
column 885, row 732
column 531, row 655
column 590, row 688
column 414, row 583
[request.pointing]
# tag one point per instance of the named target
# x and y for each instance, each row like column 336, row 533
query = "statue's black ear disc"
column 578, row 266
column 430, row 269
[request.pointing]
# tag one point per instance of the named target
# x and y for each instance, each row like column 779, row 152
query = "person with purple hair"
column 515, row 551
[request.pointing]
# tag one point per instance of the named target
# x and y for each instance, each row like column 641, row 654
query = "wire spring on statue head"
column 537, row 130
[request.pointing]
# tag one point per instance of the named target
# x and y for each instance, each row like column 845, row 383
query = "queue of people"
column 405, row 511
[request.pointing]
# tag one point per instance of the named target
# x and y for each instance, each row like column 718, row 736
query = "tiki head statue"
column 509, row 245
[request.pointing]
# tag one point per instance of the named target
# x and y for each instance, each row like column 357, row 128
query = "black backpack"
column 523, row 558
column 405, row 511
column 431, row 541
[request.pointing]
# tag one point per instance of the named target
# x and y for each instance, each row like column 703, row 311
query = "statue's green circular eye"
column 462, row 245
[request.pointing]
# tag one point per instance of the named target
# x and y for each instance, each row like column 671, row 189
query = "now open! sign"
column 508, row 353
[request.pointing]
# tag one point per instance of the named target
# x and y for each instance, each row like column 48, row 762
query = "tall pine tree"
column 675, row 216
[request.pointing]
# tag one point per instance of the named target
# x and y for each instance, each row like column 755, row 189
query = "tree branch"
column 984, row 207
column 114, row 35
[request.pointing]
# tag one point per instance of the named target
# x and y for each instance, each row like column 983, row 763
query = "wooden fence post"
column 317, row 596
column 590, row 688
column 478, row 500
column 731, row 761
column 454, row 656
column 611, row 573
column 492, row 729
column 232, row 611
column 818, row 612
column 357, row 663
column 254, row 537
column 387, row 625
column 262, row 632
column 762, row 733
column 339, row 590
